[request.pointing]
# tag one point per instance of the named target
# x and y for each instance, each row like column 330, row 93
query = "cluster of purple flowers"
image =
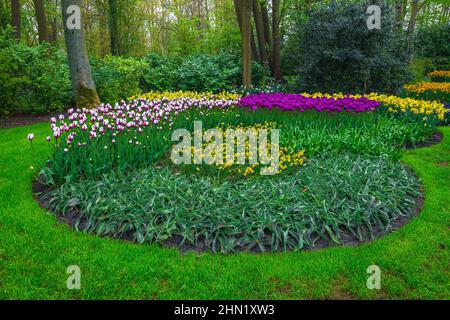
column 126, row 117
column 298, row 102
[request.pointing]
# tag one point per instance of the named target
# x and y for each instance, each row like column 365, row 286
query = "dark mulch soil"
column 433, row 139
column 22, row 120
column 348, row 239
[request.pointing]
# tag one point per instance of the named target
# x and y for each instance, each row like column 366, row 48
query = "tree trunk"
column 260, row 31
column 80, row 70
column 276, row 40
column 246, row 6
column 54, row 32
column 413, row 18
column 412, row 26
column 113, row 27
column 255, row 55
column 404, row 9
column 238, row 8
column 267, row 35
column 15, row 18
column 399, row 13
column 266, row 22
column 41, row 19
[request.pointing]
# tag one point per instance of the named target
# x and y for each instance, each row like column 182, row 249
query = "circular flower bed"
column 339, row 179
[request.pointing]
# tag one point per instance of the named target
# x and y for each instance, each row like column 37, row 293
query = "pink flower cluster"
column 298, row 102
column 124, row 117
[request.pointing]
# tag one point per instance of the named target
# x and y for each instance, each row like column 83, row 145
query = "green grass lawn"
column 35, row 250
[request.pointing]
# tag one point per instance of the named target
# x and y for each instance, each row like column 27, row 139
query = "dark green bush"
column 36, row 79
column 438, row 63
column 118, row 78
column 433, row 42
column 32, row 79
column 198, row 72
column 338, row 53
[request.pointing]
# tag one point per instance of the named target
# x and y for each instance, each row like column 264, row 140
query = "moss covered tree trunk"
column 80, row 70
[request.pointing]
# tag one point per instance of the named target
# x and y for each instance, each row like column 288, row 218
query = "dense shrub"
column 438, row 63
column 118, row 78
column 198, row 72
column 338, row 53
column 32, row 79
column 36, row 79
column 433, row 41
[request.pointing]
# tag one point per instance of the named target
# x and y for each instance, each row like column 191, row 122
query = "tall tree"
column 246, row 7
column 399, row 13
column 80, row 70
column 113, row 27
column 276, row 55
column 267, row 34
column 238, row 8
column 415, row 8
column 15, row 18
column 257, row 16
column 41, row 19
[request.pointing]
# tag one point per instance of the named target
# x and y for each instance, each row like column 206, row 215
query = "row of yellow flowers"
column 439, row 73
column 429, row 86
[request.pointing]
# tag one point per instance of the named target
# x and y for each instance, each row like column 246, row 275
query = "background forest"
column 137, row 46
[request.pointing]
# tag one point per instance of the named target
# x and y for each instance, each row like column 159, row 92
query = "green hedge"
column 32, row 79
column 36, row 79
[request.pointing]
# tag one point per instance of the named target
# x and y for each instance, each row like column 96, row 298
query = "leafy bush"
column 438, row 63
column 198, row 72
column 338, row 53
column 36, row 79
column 118, row 78
column 32, row 79
column 433, row 41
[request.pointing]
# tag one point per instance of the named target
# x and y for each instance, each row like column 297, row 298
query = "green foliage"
column 338, row 200
column 32, row 79
column 438, row 63
column 433, row 41
column 117, row 78
column 338, row 53
column 198, row 72
column 36, row 79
